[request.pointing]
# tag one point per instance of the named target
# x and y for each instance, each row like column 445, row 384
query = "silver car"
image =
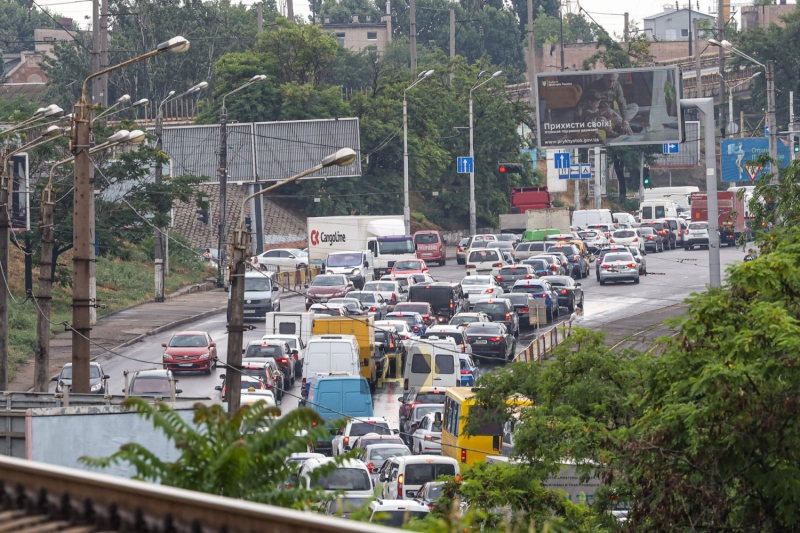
column 284, row 257
column 619, row 267
column 374, row 455
column 373, row 302
column 391, row 291
column 639, row 256
column 427, row 439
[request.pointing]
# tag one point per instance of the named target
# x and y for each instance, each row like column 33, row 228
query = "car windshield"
column 479, row 256
column 263, row 350
column 407, row 265
column 405, row 246
column 412, row 308
column 426, row 238
column 490, row 308
column 328, row 281
column 94, row 372
column 698, row 225
column 624, row 234
column 538, row 264
column 187, row 341
column 476, row 280
column 381, row 454
column 479, row 329
column 341, row 260
column 377, row 286
column 617, row 257
column 345, row 479
column 257, row 284
column 362, row 428
column 150, row 384
column 396, row 517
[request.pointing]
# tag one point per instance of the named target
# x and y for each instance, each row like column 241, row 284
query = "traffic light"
column 203, row 215
column 248, row 224
column 509, row 168
column 796, row 143
column 646, row 176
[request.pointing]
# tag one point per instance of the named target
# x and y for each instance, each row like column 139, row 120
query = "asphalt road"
column 673, row 275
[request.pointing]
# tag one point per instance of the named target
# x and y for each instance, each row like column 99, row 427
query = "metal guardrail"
column 36, row 497
column 543, row 344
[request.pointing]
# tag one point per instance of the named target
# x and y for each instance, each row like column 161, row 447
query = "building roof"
column 697, row 14
column 353, row 25
column 31, row 91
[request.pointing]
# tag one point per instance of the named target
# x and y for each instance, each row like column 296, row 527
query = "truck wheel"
column 687, row 248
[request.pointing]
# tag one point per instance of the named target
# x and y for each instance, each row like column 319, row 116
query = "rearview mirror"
column 54, row 378
column 222, row 376
column 213, row 344
column 163, row 344
column 218, row 387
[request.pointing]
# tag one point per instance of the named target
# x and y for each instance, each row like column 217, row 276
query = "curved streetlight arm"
column 482, row 84
column 248, row 84
column 30, row 127
column 742, row 54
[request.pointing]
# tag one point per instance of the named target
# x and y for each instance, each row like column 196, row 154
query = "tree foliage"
column 18, row 19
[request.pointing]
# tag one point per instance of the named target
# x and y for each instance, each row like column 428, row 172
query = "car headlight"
column 356, row 272
column 97, row 387
column 204, row 356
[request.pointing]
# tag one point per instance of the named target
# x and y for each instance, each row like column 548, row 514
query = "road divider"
column 544, row 343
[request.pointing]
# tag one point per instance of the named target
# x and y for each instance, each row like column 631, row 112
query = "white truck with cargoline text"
column 384, row 236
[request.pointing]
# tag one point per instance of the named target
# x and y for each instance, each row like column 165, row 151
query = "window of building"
column 372, row 36
column 340, row 37
column 684, row 32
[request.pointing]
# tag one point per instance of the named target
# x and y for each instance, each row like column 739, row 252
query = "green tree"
column 18, row 19
column 342, row 11
column 243, row 456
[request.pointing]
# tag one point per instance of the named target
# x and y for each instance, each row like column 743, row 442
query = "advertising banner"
column 20, row 197
column 738, row 158
column 609, row 107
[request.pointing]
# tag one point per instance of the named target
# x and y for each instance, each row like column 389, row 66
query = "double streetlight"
column 223, row 173
column 240, row 241
column 42, row 354
column 473, row 225
column 125, row 98
column 80, row 144
column 158, row 241
column 769, row 68
column 406, row 205
column 731, row 86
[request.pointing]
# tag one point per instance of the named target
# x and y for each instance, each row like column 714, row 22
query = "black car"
column 276, row 349
column 652, row 240
column 353, row 305
column 98, row 380
column 447, row 299
column 570, row 293
column 508, row 275
column 662, row 228
column 522, row 303
column 429, row 493
column 393, row 346
column 491, row 341
column 500, row 310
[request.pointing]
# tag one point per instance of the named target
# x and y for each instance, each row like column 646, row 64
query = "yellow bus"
column 469, row 449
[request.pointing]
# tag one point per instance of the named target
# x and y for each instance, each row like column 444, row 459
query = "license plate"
column 323, row 300
column 249, row 311
column 480, row 342
column 185, row 364
column 426, row 254
column 474, row 292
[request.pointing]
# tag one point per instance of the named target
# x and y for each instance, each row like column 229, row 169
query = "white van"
column 330, row 354
column 677, row 195
column 586, row 217
column 624, row 218
column 484, row 261
column 261, row 295
column 357, row 266
column 403, row 476
column 432, row 362
column 657, row 209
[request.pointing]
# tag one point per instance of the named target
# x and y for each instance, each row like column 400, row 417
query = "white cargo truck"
column 289, row 323
column 551, row 217
column 384, row 236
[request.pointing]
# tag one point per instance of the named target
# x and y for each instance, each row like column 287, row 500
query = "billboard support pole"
column 597, row 172
column 772, row 123
column 641, row 177
column 706, row 106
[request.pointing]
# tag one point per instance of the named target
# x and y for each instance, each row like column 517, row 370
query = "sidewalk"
column 125, row 327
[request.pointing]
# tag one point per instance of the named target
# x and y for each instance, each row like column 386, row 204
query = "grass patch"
column 120, row 284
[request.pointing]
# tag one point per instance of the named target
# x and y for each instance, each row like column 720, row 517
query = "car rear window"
column 523, row 247
column 362, row 428
column 624, row 234
column 420, row 364
column 490, row 308
column 698, row 225
column 617, row 257
column 345, row 479
column 479, row 256
column 264, row 350
column 538, row 264
column 456, row 336
column 422, row 309
column 445, row 364
column 672, row 224
column 426, row 238
column 646, row 230
column 485, row 328
column 517, row 298
column 511, row 271
column 528, row 288
column 647, row 212
column 418, row 474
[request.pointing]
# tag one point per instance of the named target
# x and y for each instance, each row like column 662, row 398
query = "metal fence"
column 689, row 154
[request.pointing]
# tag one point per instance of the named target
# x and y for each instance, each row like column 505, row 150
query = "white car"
column 291, row 257
column 628, row 237
column 396, row 513
column 374, row 456
column 358, row 428
column 427, row 439
column 477, row 287
column 594, row 239
column 351, row 477
column 253, row 395
column 696, row 235
column 391, row 291
column 485, row 261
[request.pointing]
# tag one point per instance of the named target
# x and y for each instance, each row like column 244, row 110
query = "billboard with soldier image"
column 609, row 107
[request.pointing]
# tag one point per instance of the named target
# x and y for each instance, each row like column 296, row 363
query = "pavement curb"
column 208, row 285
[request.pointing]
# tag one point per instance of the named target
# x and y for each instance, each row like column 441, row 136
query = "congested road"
column 673, row 275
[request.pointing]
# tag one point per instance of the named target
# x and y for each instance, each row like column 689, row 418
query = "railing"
column 294, row 279
column 544, row 343
column 40, row 497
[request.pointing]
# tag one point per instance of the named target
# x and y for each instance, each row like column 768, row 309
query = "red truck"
column 731, row 210
column 524, row 198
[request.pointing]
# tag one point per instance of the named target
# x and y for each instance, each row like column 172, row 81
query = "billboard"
column 735, row 153
column 609, row 107
column 20, row 197
column 688, row 155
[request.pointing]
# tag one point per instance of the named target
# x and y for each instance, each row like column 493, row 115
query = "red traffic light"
column 502, row 169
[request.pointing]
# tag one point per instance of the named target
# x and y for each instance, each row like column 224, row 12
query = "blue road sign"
column 671, row 148
column 464, row 165
column 561, row 159
column 575, row 172
column 766, row 131
column 586, row 171
column 563, row 173
column 737, row 152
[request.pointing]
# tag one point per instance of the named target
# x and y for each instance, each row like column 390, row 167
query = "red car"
column 190, row 350
column 409, row 266
column 327, row 286
column 423, row 308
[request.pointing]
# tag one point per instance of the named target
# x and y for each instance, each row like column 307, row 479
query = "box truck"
column 731, row 211
column 553, row 217
column 384, row 236
column 373, row 358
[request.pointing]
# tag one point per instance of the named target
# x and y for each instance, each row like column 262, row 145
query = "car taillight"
column 649, row 237
column 394, row 297
column 458, row 249
column 499, row 278
column 574, row 257
column 508, row 316
column 303, row 384
column 636, row 239
column 632, row 265
column 498, row 265
column 605, row 266
column 451, row 304
column 563, row 291
column 283, row 360
column 346, row 441
column 373, row 308
column 527, row 276
column 489, row 291
column 430, row 437
column 400, row 486
column 524, row 310
column 463, row 455
column 613, row 241
column 554, row 268
column 495, row 339
column 371, row 466
column 608, row 234
column 463, row 347
column 464, row 372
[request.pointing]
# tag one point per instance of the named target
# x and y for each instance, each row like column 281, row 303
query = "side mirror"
column 395, row 431
column 444, row 241
column 227, row 289
column 274, row 288
column 123, row 390
column 222, row 376
column 382, row 477
column 366, row 361
column 401, row 399
column 55, row 378
column 366, row 264
column 295, row 353
column 178, row 391
column 243, row 350
column 306, row 285
column 106, row 377
column 163, row 344
column 218, row 387
column 213, row 344
column 578, row 284
column 334, row 432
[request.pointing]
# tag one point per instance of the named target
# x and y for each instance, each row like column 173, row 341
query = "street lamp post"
column 473, row 223
column 731, row 87
column 769, row 69
column 158, row 241
column 240, row 243
column 223, row 175
column 406, row 205
column 82, row 219
column 125, row 98
column 41, row 358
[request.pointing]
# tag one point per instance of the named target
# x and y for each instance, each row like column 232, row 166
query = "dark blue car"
column 541, row 266
column 540, row 288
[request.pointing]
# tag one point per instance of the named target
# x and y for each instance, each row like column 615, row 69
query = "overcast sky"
column 607, row 14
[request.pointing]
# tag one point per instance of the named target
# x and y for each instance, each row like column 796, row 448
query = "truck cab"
column 389, row 249
column 357, row 266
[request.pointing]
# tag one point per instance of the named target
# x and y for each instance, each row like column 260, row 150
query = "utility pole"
column 625, row 30
column 561, row 37
column 4, row 234
column 691, row 27
column 222, row 175
column 532, row 71
column 720, row 36
column 289, row 10
column 96, row 84
column 698, row 70
column 597, row 175
column 452, row 41
column 82, row 247
column 791, row 126
column 741, row 124
column 641, row 177
column 158, row 242
column 412, row 8
column 772, row 123
column 103, row 62
column 260, row 17
column 42, row 356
